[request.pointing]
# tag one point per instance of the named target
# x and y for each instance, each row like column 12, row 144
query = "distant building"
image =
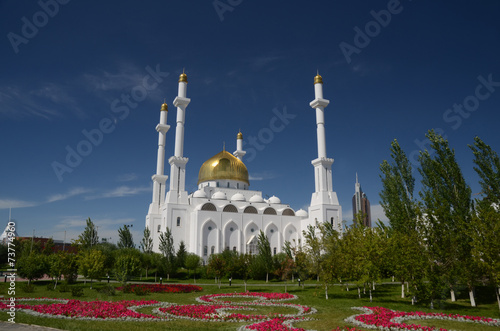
column 360, row 203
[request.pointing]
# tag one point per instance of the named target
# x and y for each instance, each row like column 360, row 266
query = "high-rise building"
column 360, row 203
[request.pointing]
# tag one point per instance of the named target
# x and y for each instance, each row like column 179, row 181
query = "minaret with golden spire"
column 324, row 202
column 160, row 178
column 177, row 192
column 239, row 152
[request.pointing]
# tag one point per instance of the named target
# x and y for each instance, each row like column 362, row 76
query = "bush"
column 77, row 291
column 50, row 286
column 127, row 288
column 141, row 290
column 107, row 290
column 63, row 288
column 28, row 288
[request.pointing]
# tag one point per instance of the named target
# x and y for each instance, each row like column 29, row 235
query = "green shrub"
column 63, row 288
column 28, row 288
column 77, row 291
column 107, row 290
column 127, row 288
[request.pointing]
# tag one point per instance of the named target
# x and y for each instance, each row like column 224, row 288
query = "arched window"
column 331, row 221
column 274, row 251
column 250, row 210
column 212, row 249
column 228, row 184
column 205, row 250
column 234, row 248
column 159, row 228
column 209, row 207
column 288, row 212
column 178, row 221
column 230, row 209
column 269, row 211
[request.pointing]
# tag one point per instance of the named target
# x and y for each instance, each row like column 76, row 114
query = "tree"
column 147, row 241
column 32, row 266
column 167, row 249
column 127, row 264
column 313, row 250
column 265, row 254
column 216, row 267
column 91, row 264
column 181, row 255
column 242, row 265
column 284, row 267
column 56, row 266
column 448, row 211
column 89, row 236
column 109, row 251
column 193, row 262
column 486, row 221
column 396, row 196
column 125, row 236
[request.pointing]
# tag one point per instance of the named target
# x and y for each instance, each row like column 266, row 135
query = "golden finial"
column 318, row 79
column 240, row 135
column 183, row 77
column 164, row 106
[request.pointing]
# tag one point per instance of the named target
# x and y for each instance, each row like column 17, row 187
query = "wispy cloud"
column 126, row 76
column 126, row 177
column 122, row 191
column 13, row 203
column 262, row 176
column 67, row 195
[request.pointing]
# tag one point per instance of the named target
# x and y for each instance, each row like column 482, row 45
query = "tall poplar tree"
column 265, row 254
column 486, row 221
column 126, row 240
column 448, row 211
column 89, row 237
column 168, row 251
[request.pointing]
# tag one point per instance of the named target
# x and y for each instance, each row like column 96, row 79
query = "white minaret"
column 177, row 192
column 159, row 178
column 239, row 152
column 324, row 202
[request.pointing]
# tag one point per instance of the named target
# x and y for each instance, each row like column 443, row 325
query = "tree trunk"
column 245, row 285
column 267, row 277
column 373, row 287
column 359, row 292
column 326, row 292
column 155, row 276
column 168, row 276
column 393, row 278
column 364, row 288
column 412, row 300
column 317, row 278
column 285, row 286
column 471, row 296
column 347, row 287
column 452, row 292
column 370, row 295
column 407, row 287
column 55, row 285
column 402, row 290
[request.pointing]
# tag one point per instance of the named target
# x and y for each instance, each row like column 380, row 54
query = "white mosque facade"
column 224, row 213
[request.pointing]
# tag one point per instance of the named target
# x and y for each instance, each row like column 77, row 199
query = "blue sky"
column 391, row 70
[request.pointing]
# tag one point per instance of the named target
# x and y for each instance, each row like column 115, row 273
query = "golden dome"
column 240, row 135
column 318, row 79
column 183, row 78
column 223, row 165
column 164, row 106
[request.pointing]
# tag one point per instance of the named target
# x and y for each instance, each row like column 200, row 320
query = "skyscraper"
column 360, row 203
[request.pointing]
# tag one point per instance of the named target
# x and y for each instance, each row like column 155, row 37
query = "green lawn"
column 331, row 313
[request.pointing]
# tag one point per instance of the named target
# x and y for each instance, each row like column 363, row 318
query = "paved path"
column 23, row 327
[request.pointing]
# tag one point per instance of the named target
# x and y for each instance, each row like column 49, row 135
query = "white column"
column 239, row 153
column 181, row 102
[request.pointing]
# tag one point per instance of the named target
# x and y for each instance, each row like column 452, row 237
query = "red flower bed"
column 157, row 288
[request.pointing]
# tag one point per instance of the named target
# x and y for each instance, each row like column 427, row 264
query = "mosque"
column 224, row 213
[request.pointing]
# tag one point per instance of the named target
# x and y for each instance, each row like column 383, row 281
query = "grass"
column 331, row 313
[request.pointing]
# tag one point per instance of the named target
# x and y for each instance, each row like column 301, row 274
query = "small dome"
column 301, row 212
column 200, row 194
column 256, row 198
column 274, row 199
column 183, row 78
column 219, row 196
column 239, row 135
column 318, row 79
column 238, row 197
column 164, row 107
column 223, row 165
